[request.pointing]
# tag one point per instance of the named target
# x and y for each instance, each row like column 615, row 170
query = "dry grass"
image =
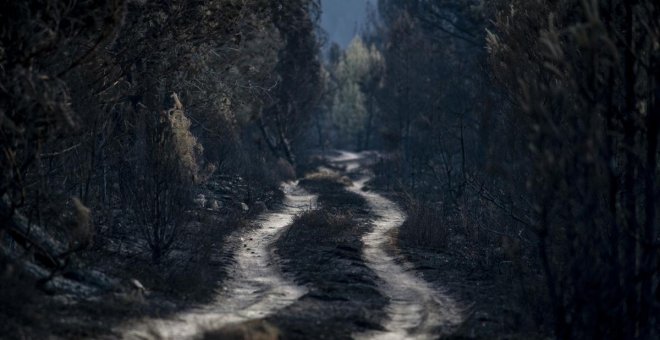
column 425, row 227
column 326, row 177
column 318, row 226
column 331, row 188
column 322, row 251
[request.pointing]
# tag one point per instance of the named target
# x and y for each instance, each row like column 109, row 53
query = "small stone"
column 214, row 205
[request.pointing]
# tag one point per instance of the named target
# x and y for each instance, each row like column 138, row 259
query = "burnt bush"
column 426, row 226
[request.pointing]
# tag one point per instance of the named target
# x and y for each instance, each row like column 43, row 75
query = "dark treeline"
column 132, row 104
column 113, row 114
column 529, row 131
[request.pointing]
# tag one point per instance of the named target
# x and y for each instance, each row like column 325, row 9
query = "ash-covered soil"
column 188, row 277
column 322, row 250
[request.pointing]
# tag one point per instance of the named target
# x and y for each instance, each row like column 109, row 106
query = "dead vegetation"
column 321, row 250
column 314, row 226
column 114, row 117
column 331, row 187
column 491, row 271
column 325, row 177
column 425, row 227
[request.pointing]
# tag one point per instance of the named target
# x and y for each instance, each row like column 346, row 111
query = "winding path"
column 416, row 309
column 255, row 287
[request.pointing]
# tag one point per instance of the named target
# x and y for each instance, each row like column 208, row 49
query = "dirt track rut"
column 255, row 288
column 416, row 309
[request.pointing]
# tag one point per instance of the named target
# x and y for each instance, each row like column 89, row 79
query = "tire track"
column 416, row 309
column 255, row 287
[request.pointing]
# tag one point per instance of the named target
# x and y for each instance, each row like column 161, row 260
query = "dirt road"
column 416, row 310
column 257, row 289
